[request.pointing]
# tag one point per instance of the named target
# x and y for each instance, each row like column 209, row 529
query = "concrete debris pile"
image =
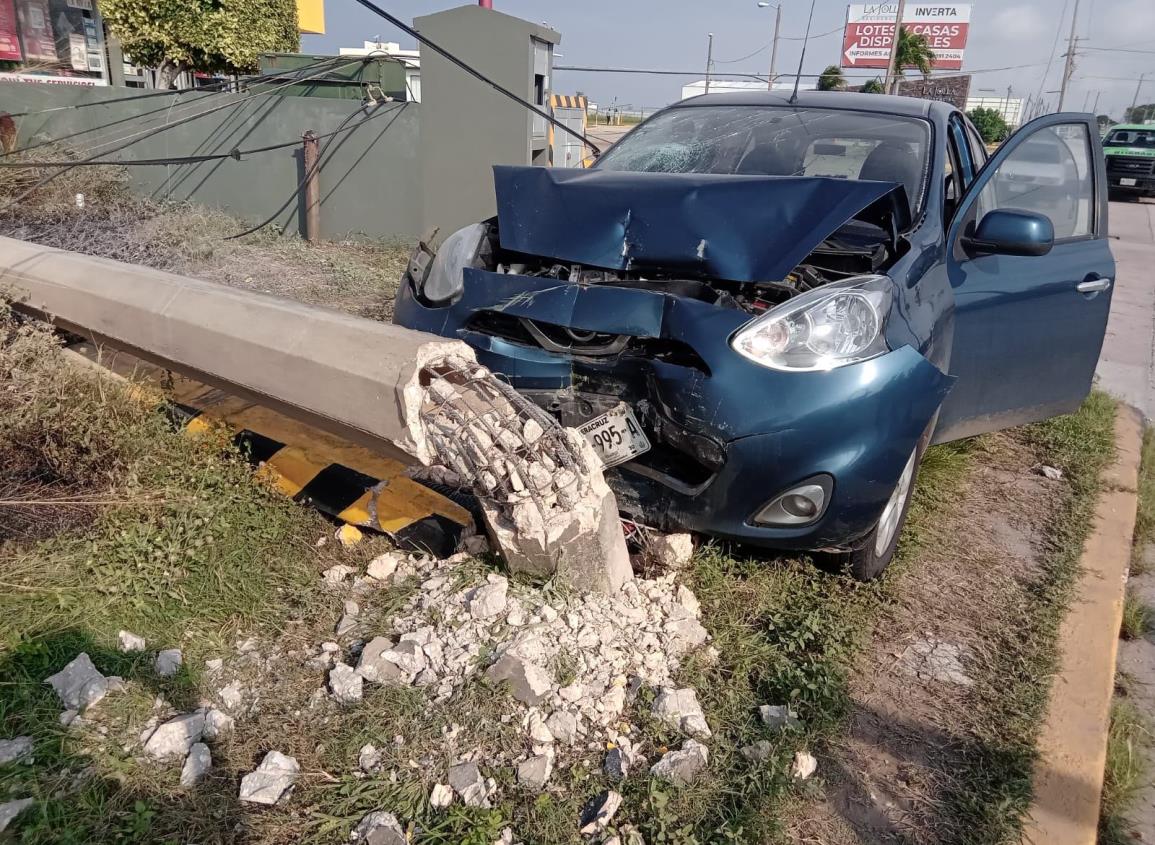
column 547, row 506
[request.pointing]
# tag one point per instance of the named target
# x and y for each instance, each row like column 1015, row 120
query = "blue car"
column 761, row 311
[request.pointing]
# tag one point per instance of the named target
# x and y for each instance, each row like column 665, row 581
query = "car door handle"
column 1093, row 285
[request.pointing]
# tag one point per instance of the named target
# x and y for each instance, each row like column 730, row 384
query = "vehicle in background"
column 762, row 311
column 1130, row 153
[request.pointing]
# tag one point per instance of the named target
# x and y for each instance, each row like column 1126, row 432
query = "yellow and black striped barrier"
column 343, row 480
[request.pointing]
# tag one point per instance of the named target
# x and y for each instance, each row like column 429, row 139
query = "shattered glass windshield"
column 780, row 141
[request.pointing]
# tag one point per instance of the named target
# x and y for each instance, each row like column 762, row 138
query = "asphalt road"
column 1127, row 363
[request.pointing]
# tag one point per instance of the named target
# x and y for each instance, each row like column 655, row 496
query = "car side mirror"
column 1011, row 232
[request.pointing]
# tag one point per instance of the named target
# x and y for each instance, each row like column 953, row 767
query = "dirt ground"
column 893, row 777
column 1136, row 670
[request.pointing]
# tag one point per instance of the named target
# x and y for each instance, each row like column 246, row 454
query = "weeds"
column 1128, row 743
column 1138, row 617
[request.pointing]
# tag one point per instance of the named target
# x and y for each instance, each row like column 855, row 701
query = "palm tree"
column 874, row 86
column 831, row 79
column 914, row 51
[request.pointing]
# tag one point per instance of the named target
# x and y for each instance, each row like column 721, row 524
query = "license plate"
column 616, row 436
column 1128, row 182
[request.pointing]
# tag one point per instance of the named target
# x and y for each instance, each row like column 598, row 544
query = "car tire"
column 871, row 559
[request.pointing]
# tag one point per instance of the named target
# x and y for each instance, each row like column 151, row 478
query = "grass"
column 1127, row 771
column 1145, row 515
column 993, row 787
column 1138, row 617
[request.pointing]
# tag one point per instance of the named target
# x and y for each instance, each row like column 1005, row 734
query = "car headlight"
column 440, row 279
column 837, row 324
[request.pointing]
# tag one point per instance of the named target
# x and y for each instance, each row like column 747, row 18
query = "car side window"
column 1049, row 173
column 978, row 148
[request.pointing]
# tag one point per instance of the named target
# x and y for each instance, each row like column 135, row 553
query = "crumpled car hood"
column 737, row 228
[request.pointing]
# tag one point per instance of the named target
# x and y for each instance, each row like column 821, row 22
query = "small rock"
column 15, row 750
column 528, row 682
column 79, row 685
column 687, row 632
column 475, row 545
column 680, row 709
column 440, row 796
column 409, row 657
column 215, row 665
column 618, row 760
column 375, row 666
column 804, row 765
column 688, row 600
column 11, row 809
column 760, row 752
column 345, row 625
column 681, row 767
column 271, row 781
column 935, row 660
column 232, row 695
column 127, row 641
column 538, row 731
column 379, row 828
column 779, row 717
column 368, row 758
column 335, row 575
column 175, row 737
column 465, row 779
column 330, row 648
column 1053, row 473
column 672, row 551
column 598, row 814
column 345, row 684
column 168, row 662
column 196, row 765
column 68, row 717
column 534, row 773
column 383, row 566
column 489, row 600
column 217, row 723
column 564, row 726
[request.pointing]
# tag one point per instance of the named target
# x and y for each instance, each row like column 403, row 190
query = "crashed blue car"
column 761, row 312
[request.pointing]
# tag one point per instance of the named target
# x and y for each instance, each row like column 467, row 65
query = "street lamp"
column 762, row 4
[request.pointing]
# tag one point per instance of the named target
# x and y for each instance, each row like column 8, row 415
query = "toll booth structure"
column 565, row 149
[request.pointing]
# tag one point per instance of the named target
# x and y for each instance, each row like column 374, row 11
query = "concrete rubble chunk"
column 934, row 660
column 1052, row 473
column 598, row 814
column 758, row 752
column 15, row 750
column 127, row 641
column 196, row 765
column 804, row 765
column 345, row 684
column 369, row 758
column 564, row 726
column 232, row 695
column 441, row 796
column 679, row 708
column 408, row 656
column 379, row 828
column 334, row 576
column 619, row 760
column 673, row 551
column 375, row 666
column 382, row 567
column 537, row 729
column 168, row 662
column 271, row 781
column 534, row 773
column 217, row 723
column 79, row 685
column 465, row 779
column 688, row 631
column 682, row 767
column 214, row 665
column 175, row 737
column 489, row 600
column 779, row 717
column 9, row 810
column 529, row 683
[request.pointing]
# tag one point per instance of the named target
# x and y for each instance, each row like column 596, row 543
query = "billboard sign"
column 9, row 40
column 870, row 32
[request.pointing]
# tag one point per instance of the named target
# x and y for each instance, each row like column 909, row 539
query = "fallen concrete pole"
column 414, row 395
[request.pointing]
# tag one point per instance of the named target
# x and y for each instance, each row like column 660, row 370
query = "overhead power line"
column 476, row 74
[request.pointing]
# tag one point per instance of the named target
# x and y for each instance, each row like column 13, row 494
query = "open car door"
column 1031, row 272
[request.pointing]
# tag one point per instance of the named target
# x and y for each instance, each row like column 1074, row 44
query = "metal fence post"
column 312, row 188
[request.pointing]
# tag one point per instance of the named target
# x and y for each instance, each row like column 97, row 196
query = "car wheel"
column 876, row 552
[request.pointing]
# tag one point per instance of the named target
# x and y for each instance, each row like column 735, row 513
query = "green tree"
column 1140, row 113
column 914, row 51
column 990, row 123
column 874, row 86
column 205, row 35
column 832, row 79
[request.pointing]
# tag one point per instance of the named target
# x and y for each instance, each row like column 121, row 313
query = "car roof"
column 880, row 103
column 1148, row 127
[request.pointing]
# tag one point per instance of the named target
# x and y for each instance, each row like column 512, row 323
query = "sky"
column 1010, row 43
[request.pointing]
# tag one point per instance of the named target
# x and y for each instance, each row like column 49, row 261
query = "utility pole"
column 1069, row 68
column 1095, row 108
column 774, row 49
column 1135, row 101
column 891, row 70
column 709, row 58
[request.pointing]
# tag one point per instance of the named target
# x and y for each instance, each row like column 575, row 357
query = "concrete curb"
column 1073, row 743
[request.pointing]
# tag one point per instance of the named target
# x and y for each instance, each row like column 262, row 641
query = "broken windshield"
column 780, row 141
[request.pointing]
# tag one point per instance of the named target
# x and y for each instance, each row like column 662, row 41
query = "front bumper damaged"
column 728, row 435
